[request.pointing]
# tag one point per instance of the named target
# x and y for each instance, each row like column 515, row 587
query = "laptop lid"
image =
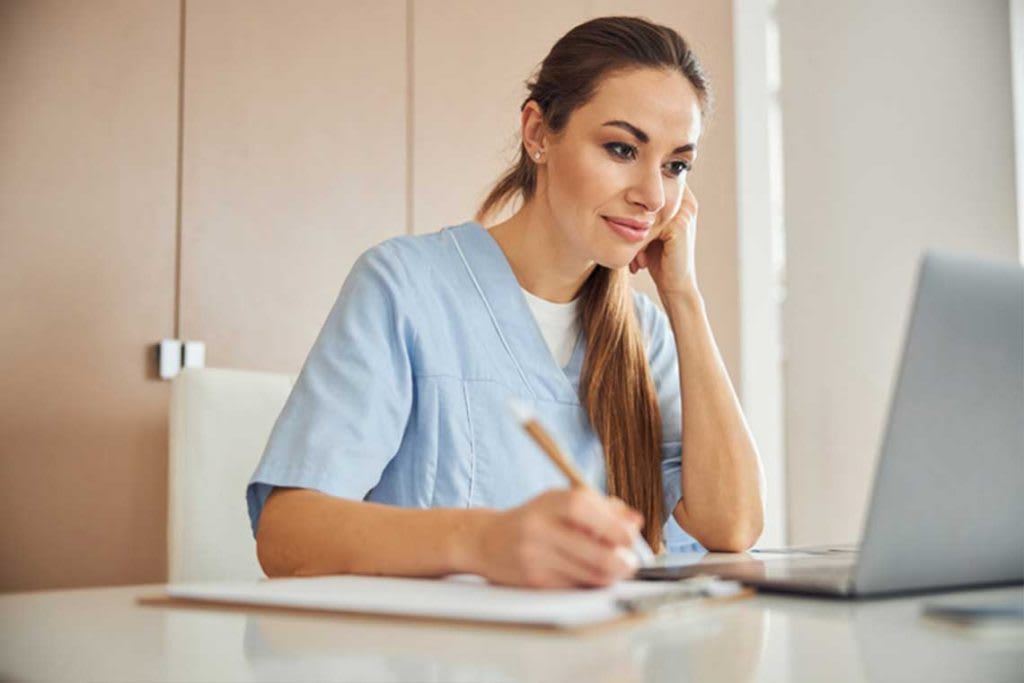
column 947, row 505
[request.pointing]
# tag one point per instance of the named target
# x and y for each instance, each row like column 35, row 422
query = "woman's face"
column 623, row 156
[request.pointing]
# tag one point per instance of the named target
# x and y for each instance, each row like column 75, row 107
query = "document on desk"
column 459, row 598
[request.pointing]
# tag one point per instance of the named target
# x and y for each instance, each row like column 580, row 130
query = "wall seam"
column 410, row 127
column 180, row 173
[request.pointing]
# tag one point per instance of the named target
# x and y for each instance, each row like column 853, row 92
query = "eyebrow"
column 643, row 137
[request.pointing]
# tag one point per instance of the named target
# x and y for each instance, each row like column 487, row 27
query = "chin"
column 613, row 252
column 614, row 261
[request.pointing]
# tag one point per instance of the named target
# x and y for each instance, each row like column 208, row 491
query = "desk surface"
column 102, row 634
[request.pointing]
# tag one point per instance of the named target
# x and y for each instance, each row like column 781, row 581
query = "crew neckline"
column 530, row 296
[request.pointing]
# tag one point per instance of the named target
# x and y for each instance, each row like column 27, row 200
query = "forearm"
column 722, row 505
column 303, row 533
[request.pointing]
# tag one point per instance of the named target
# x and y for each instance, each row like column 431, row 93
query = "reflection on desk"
column 102, row 634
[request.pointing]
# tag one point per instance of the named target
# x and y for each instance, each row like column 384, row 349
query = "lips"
column 630, row 222
column 630, row 230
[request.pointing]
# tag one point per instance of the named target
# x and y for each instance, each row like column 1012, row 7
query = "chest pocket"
column 508, row 467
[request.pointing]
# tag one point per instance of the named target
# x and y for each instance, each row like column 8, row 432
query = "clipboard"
column 460, row 599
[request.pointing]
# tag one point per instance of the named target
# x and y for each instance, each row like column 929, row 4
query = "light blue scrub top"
column 403, row 398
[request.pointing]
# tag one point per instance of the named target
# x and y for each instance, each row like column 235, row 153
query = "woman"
column 395, row 453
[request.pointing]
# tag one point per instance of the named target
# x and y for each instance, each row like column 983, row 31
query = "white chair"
column 220, row 421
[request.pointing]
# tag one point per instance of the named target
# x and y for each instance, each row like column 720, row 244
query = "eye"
column 679, row 167
column 621, row 150
column 625, row 151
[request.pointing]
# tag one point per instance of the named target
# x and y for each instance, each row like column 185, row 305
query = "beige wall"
column 294, row 155
column 466, row 97
column 305, row 137
column 898, row 136
column 87, row 203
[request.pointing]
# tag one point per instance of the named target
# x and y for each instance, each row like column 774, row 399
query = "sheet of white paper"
column 459, row 597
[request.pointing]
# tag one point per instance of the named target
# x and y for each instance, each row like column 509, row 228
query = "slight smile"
column 633, row 231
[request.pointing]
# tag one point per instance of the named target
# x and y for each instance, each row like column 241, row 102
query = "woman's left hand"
column 670, row 255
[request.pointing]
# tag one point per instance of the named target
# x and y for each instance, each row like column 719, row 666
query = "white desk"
column 102, row 634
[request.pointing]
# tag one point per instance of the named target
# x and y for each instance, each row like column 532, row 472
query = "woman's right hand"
column 562, row 538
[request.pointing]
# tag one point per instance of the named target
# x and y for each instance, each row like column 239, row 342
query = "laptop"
column 947, row 505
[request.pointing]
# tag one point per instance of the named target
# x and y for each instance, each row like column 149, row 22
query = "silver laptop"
column 947, row 508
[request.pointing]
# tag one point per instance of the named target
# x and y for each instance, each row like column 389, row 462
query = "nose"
column 647, row 190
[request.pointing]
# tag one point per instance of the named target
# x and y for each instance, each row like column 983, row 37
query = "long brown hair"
column 617, row 389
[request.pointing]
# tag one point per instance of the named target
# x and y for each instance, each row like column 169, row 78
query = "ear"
column 534, row 132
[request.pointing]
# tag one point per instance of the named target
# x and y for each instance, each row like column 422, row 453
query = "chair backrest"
column 220, row 421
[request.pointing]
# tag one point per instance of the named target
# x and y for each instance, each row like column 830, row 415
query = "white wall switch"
column 169, row 358
column 195, row 354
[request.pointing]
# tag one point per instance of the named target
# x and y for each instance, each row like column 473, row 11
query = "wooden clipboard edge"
column 163, row 600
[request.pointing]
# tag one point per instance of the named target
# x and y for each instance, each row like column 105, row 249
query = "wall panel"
column 294, row 164
column 87, row 204
column 471, row 62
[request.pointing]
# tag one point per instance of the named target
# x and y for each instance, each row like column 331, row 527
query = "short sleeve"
column 346, row 415
column 664, row 363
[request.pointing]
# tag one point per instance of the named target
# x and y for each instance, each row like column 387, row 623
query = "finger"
column 535, row 563
column 586, row 559
column 689, row 204
column 589, row 510
column 641, row 259
column 631, row 515
column 554, row 561
column 567, row 570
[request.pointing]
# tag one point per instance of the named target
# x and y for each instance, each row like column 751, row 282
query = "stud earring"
column 536, row 155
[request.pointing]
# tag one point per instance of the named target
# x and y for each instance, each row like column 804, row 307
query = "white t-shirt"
column 558, row 323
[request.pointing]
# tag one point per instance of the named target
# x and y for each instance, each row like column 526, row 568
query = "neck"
column 541, row 259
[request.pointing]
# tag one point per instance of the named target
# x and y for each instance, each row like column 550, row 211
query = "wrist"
column 684, row 303
column 466, row 540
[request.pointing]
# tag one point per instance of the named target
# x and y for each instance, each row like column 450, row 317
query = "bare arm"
column 722, row 503
column 560, row 538
column 303, row 532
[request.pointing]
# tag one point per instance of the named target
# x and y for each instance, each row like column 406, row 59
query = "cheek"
column 585, row 182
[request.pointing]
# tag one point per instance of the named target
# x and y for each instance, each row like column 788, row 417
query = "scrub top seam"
column 441, row 375
column 474, row 380
column 472, row 447
column 490, row 313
